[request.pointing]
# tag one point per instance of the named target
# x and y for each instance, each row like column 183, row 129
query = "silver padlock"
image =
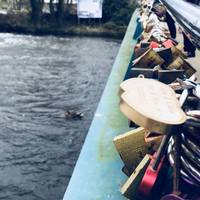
column 196, row 91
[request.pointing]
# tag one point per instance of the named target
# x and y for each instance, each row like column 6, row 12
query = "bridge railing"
column 188, row 17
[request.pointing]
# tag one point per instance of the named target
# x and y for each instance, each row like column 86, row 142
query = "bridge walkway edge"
column 97, row 174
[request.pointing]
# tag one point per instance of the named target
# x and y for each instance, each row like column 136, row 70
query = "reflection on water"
column 41, row 78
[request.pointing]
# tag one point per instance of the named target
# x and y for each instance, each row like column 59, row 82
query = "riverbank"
column 20, row 24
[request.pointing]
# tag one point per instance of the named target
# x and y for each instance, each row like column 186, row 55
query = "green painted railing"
column 97, row 175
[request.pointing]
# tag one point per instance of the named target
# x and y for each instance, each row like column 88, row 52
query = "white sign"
column 89, row 9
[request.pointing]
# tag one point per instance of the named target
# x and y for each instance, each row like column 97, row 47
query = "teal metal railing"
column 97, row 174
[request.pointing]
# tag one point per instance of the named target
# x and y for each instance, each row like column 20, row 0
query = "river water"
column 40, row 79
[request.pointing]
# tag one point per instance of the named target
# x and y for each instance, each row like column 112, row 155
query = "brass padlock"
column 148, row 60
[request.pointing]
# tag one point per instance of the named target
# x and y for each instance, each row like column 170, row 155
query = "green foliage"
column 118, row 11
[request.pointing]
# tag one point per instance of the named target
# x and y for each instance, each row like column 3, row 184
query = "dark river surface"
column 41, row 78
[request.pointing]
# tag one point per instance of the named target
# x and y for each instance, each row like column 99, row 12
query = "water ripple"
column 41, row 78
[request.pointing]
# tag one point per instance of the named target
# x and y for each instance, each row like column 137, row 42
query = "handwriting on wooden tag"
column 132, row 147
column 152, row 105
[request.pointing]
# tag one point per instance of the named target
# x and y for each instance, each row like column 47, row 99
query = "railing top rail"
column 188, row 17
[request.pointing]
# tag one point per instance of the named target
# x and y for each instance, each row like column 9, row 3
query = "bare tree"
column 36, row 10
column 60, row 11
column 69, row 1
column 52, row 11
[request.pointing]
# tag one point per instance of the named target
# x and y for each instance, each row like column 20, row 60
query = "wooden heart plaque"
column 152, row 105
